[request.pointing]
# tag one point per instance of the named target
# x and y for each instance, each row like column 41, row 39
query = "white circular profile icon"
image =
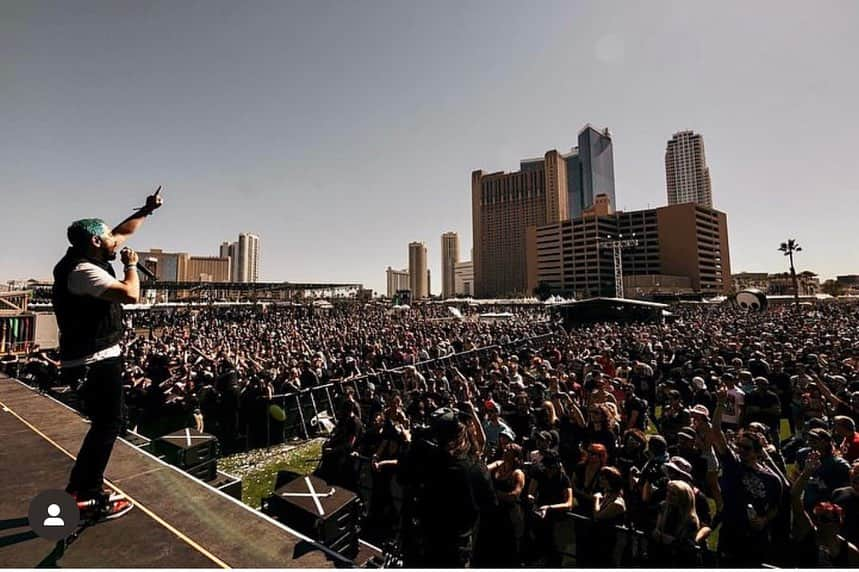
column 54, row 516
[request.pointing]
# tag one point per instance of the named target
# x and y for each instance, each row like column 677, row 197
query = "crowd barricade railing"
column 305, row 405
column 597, row 545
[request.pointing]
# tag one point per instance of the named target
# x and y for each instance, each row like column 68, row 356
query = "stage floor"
column 178, row 522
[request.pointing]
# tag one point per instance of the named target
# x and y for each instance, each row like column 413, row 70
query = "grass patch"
column 258, row 468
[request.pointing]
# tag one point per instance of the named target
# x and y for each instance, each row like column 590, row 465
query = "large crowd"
column 720, row 437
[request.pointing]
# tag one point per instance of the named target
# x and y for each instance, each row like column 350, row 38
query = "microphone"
column 149, row 274
column 141, row 268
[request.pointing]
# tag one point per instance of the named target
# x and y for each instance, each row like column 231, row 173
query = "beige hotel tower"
column 418, row 277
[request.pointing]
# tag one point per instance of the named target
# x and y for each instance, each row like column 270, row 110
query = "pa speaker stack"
column 191, row 450
column 311, row 506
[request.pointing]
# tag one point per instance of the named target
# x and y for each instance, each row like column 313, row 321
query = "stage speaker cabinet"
column 327, row 514
column 187, row 448
column 207, row 471
column 228, row 484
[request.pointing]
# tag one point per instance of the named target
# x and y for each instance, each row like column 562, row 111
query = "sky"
column 341, row 131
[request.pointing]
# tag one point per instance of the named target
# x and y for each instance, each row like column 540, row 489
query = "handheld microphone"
column 141, row 268
column 149, row 274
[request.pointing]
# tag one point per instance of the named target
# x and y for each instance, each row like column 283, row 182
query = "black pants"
column 100, row 388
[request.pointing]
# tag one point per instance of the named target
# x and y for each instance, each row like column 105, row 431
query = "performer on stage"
column 87, row 299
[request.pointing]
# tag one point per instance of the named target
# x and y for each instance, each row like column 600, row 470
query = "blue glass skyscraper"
column 590, row 170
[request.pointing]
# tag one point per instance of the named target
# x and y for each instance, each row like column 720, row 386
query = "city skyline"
column 242, row 113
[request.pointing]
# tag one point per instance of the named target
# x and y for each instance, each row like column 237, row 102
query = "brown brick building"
column 182, row 267
column 504, row 205
column 679, row 247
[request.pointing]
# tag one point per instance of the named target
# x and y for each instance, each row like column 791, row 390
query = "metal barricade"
column 598, row 545
column 303, row 406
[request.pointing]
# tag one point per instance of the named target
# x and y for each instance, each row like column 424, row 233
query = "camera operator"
column 87, row 300
column 447, row 490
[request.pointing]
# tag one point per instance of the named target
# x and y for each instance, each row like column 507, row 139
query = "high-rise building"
column 590, row 170
column 464, row 278
column 677, row 244
column 504, row 205
column 687, row 176
column 397, row 280
column 227, row 250
column 449, row 258
column 418, row 277
column 246, row 258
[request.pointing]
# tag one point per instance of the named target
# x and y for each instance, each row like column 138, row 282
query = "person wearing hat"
column 680, row 469
column 795, row 448
column 87, row 299
column 833, row 471
column 701, row 395
column 687, row 449
column 447, row 491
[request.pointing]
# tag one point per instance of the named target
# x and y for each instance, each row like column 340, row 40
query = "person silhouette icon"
column 54, row 518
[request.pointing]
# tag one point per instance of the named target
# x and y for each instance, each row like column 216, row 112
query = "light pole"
column 616, row 245
column 788, row 248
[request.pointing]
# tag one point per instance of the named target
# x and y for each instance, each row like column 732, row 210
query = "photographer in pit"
column 447, row 488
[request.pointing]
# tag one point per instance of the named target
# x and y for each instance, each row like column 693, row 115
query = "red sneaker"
column 107, row 507
column 117, row 508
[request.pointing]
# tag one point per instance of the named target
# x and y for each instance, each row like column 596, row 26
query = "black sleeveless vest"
column 87, row 325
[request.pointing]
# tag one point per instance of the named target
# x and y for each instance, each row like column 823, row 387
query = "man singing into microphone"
column 88, row 300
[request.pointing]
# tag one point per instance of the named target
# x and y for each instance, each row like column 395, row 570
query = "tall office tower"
column 590, row 170
column 449, row 258
column 397, row 280
column 234, row 261
column 418, row 270
column 248, row 258
column 503, row 205
column 225, row 252
column 687, row 176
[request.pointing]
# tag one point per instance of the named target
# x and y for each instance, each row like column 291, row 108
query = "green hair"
column 81, row 231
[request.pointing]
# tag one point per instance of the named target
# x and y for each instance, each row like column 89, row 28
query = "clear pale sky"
column 340, row 131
